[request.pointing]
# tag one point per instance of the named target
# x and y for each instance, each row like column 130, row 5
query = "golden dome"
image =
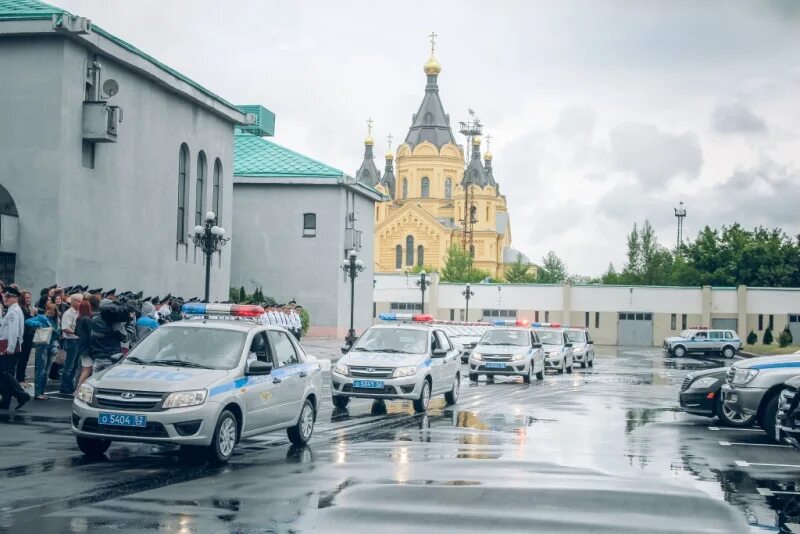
column 488, row 155
column 369, row 140
column 476, row 140
column 389, row 154
column 432, row 66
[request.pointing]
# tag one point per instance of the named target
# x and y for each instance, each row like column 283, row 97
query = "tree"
column 519, row 272
column 458, row 267
column 752, row 337
column 611, row 276
column 553, row 270
column 419, row 268
column 242, row 294
column 768, row 336
column 785, row 338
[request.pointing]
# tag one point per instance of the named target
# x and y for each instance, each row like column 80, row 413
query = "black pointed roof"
column 388, row 180
column 475, row 173
column 368, row 173
column 430, row 123
column 489, row 174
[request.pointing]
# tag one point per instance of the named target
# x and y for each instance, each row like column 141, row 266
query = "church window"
column 426, row 187
column 420, row 255
column 216, row 192
column 448, row 188
column 398, row 257
column 487, row 213
column 183, row 169
column 309, row 225
column 410, row 250
column 472, row 251
column 405, row 187
column 200, row 197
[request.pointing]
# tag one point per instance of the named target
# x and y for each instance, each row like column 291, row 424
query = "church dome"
column 369, row 140
column 389, row 154
column 432, row 66
column 488, row 155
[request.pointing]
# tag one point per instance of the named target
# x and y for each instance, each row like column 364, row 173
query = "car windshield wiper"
column 395, row 351
column 180, row 363
column 134, row 359
column 362, row 349
column 504, row 343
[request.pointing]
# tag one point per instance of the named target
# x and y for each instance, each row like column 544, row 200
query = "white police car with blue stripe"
column 203, row 384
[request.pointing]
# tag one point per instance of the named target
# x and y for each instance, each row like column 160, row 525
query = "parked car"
column 557, row 348
column 582, row 346
column 723, row 342
column 787, row 426
column 701, row 395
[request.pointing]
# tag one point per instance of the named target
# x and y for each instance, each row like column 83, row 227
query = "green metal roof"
column 36, row 10
column 255, row 156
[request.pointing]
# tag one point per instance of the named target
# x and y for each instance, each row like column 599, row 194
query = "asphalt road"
column 601, row 450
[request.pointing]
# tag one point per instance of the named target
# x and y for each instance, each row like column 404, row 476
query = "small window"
column 684, row 321
column 794, row 318
column 448, row 188
column 398, row 257
column 309, row 225
column 547, row 316
column 405, row 187
column 673, row 321
column 216, row 192
column 183, row 180
column 586, row 320
column 374, row 310
column 409, row 251
column 728, row 335
column 715, row 334
column 284, row 350
column 452, row 314
column 772, row 322
column 420, row 255
column 648, row 316
column 760, row 322
column 487, row 213
column 425, row 191
column 597, row 319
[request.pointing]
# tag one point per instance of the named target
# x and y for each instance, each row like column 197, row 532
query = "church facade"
column 430, row 193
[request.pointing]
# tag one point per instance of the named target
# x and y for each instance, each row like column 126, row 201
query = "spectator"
column 147, row 322
column 45, row 351
column 23, row 357
column 175, row 314
column 11, row 331
column 108, row 335
column 70, row 344
column 83, row 329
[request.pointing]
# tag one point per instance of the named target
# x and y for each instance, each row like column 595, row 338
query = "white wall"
column 773, row 301
column 723, row 300
column 637, row 298
column 503, row 297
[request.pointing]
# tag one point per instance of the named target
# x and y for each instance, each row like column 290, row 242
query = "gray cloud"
column 575, row 122
column 653, row 156
column 737, row 118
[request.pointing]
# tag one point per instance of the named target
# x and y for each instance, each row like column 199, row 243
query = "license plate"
column 368, row 384
column 495, row 365
column 122, row 419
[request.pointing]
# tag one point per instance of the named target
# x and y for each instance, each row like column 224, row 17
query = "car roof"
column 547, row 329
column 405, row 326
column 222, row 324
column 520, row 328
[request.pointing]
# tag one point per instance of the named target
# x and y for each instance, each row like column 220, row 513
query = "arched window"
column 398, row 257
column 448, row 188
column 200, row 193
column 405, row 187
column 183, row 180
column 216, row 192
column 426, row 187
column 420, row 255
column 410, row 251
column 487, row 213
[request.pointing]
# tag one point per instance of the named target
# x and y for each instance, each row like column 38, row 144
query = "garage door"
column 725, row 324
column 794, row 328
column 635, row 329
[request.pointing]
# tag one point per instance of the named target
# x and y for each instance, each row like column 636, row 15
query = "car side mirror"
column 257, row 367
column 590, row 342
column 116, row 357
column 537, row 345
column 568, row 345
column 439, row 353
column 346, row 349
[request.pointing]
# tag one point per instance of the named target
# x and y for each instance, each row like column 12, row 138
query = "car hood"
column 577, row 345
column 718, row 372
column 769, row 362
column 672, row 339
column 382, row 359
column 548, row 348
column 157, row 378
column 500, row 349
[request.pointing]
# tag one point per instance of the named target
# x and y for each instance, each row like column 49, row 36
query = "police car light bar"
column 233, row 310
column 546, row 325
column 511, row 322
column 416, row 317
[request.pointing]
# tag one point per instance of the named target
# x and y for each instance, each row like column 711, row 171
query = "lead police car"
column 509, row 349
column 411, row 361
column 202, row 384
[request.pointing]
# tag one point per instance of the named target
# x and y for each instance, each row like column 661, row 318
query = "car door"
column 538, row 353
column 451, row 362
column 589, row 347
column 715, row 340
column 437, row 364
column 289, row 371
column 261, row 391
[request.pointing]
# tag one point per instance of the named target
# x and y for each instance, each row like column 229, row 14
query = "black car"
column 787, row 427
column 700, row 395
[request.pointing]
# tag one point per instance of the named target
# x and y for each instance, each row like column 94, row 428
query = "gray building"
column 296, row 220
column 108, row 159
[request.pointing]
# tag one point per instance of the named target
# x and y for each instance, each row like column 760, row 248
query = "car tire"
column 591, row 362
column 93, row 448
column 569, row 370
column 223, row 441
column 421, row 404
column 473, row 377
column 540, row 375
column 583, row 364
column 768, row 417
column 527, row 378
column 340, row 401
column 730, row 418
column 451, row 397
column 679, row 351
column 300, row 433
column 728, row 352
column 562, row 368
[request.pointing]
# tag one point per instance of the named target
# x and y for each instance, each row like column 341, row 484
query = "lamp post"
column 468, row 293
column 210, row 238
column 423, row 284
column 352, row 266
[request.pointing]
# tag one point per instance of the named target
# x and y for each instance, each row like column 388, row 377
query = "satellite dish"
column 110, row 87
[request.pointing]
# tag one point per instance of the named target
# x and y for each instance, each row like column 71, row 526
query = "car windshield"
column 517, row 338
column 404, row 340
column 550, row 337
column 207, row 348
column 576, row 336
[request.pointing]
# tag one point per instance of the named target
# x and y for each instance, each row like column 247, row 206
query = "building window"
column 309, row 225
column 448, row 188
column 426, row 187
column 405, row 188
column 216, row 192
column 597, row 319
column 536, row 317
column 487, row 213
column 87, row 155
column 506, row 314
column 374, row 310
column 200, row 193
column 410, row 251
column 760, row 321
column 586, row 320
column 683, row 322
column 452, row 314
column 183, row 171
column 420, row 255
column 772, row 322
column 547, row 316
column 405, row 306
column 673, row 321
column 398, row 257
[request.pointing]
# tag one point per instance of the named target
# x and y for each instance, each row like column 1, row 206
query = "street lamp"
column 352, row 266
column 468, row 293
column 210, row 238
column 423, row 284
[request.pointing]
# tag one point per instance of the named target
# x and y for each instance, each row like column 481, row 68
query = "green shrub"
column 768, row 339
column 305, row 319
column 785, row 339
column 752, row 338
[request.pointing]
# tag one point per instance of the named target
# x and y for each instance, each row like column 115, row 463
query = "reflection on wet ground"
column 602, row 450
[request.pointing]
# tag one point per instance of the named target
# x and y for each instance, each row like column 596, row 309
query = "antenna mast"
column 680, row 214
column 469, row 129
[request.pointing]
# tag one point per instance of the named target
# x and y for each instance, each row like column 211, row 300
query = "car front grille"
column 506, row 369
column 387, row 390
column 152, row 430
column 142, row 401
column 371, row 372
column 497, row 357
column 686, row 382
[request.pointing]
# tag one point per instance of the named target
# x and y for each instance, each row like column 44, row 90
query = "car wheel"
column 591, row 362
column 562, row 368
column 94, row 448
column 451, row 397
column 679, row 351
column 768, row 419
column 728, row 352
column 540, row 375
column 569, row 370
column 224, row 439
column 300, row 433
column 421, row 404
column 527, row 378
column 583, row 364
column 730, row 417
column 473, row 377
column 339, row 401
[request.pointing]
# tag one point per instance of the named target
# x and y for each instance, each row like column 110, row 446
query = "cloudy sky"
column 602, row 113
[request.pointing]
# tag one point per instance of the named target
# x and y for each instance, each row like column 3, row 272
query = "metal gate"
column 635, row 329
column 725, row 324
column 794, row 328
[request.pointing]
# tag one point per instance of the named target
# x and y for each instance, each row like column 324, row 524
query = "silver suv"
column 507, row 351
column 557, row 348
column 411, row 361
column 723, row 342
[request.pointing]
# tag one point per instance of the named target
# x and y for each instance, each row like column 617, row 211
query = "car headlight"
column 743, row 376
column 341, row 369
column 182, row 399
column 517, row 357
column 85, row 393
column 476, row 355
column 703, row 383
column 404, row 371
column 554, row 353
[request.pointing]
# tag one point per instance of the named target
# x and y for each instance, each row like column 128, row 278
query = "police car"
column 510, row 349
column 204, row 384
column 557, row 347
column 411, row 360
column 582, row 346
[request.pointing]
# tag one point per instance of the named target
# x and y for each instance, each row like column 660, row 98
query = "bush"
column 768, row 337
column 305, row 319
column 752, row 338
column 785, row 339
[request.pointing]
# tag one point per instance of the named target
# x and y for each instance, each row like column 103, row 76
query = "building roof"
column 510, row 256
column 475, row 173
column 430, row 123
column 257, row 157
column 37, row 10
column 388, row 179
column 368, row 173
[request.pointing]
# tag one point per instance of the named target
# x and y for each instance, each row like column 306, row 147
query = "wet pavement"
column 602, row 450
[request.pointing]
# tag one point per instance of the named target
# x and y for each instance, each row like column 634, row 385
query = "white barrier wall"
column 773, row 301
column 637, row 299
column 503, row 297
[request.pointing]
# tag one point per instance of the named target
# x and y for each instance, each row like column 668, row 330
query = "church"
column 436, row 195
